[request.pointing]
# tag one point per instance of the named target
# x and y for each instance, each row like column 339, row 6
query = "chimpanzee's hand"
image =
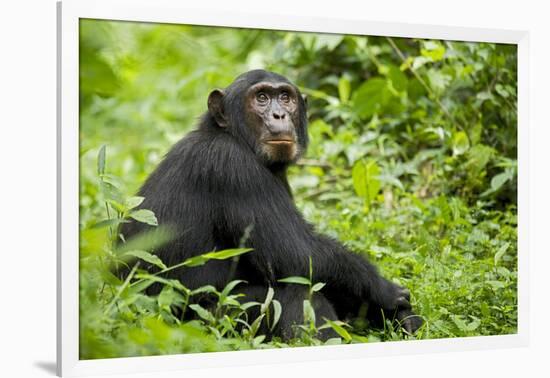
column 408, row 320
column 395, row 301
column 390, row 296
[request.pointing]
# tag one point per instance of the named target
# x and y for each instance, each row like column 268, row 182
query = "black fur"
column 212, row 186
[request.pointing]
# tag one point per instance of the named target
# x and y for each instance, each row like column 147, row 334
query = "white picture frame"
column 174, row 11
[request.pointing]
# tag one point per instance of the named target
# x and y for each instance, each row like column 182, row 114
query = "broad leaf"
column 296, row 280
column 318, row 286
column 370, row 97
column 339, row 329
column 433, row 50
column 133, row 202
column 461, row 143
column 230, row 286
column 144, row 216
column 398, row 78
column 146, row 256
column 203, row 313
column 222, row 255
column 109, row 223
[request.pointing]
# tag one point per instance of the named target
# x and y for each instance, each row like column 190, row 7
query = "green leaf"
column 168, row 296
column 227, row 253
column 419, row 61
column 222, row 255
column 101, row 160
column 110, row 191
column 147, row 240
column 461, row 324
column 203, row 313
column 398, row 78
column 149, row 278
column 256, row 325
column 461, row 143
column 268, row 299
column 496, row 284
column 111, row 179
column 473, row 325
column 229, row 287
column 479, row 156
column 502, row 91
column 433, row 50
column 318, row 286
column 501, row 251
column 257, row 341
column 370, row 97
column 438, row 80
column 365, row 180
column 277, row 311
column 108, row 223
column 296, row 280
column 133, row 202
column 142, row 285
column 391, row 180
column 344, row 89
column 116, row 205
column 309, row 312
column 335, row 325
column 330, row 41
column 205, row 289
column 144, row 216
column 195, row 261
column 146, row 256
column 415, row 89
column 464, row 326
column 230, row 300
column 247, row 305
column 499, row 180
column 475, row 134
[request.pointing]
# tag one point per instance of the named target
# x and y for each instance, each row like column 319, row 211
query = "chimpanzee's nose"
column 279, row 115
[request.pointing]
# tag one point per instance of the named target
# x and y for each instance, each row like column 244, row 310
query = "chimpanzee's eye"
column 262, row 98
column 285, row 97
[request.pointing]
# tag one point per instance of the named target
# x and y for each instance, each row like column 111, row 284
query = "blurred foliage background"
column 412, row 163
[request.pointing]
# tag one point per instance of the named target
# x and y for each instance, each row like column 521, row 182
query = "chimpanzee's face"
column 265, row 111
column 272, row 113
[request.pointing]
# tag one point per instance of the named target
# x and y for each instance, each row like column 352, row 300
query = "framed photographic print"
column 238, row 187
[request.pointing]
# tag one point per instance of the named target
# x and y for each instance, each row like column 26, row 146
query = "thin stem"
column 161, row 272
column 109, row 217
column 122, row 288
column 426, row 87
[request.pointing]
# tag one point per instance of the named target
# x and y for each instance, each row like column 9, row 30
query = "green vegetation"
column 412, row 163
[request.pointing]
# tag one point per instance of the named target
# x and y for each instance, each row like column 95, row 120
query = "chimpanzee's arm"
column 283, row 242
column 353, row 274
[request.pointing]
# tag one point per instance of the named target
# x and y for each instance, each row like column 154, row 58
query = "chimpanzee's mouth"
column 280, row 141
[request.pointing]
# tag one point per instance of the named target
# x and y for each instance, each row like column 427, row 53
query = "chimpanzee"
column 225, row 183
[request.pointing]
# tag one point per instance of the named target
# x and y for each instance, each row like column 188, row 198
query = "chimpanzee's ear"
column 215, row 107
